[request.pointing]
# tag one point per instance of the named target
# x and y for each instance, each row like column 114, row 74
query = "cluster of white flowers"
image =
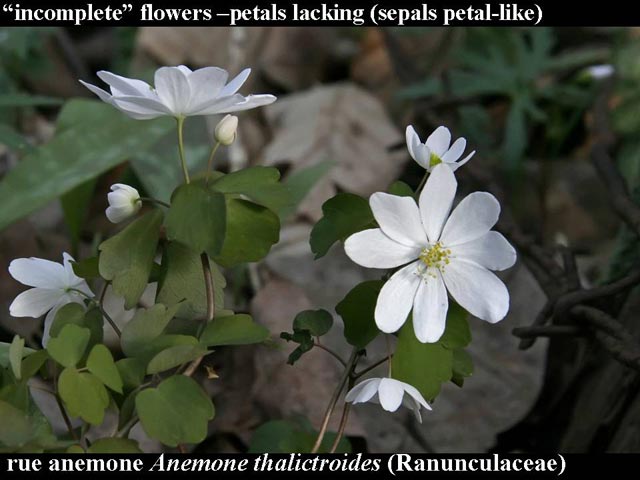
column 440, row 251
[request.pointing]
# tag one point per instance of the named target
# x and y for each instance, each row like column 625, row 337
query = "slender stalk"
column 124, row 431
column 65, row 417
column 421, row 185
column 183, row 161
column 332, row 353
column 334, row 400
column 389, row 354
column 155, row 201
column 357, row 375
column 210, row 162
column 343, row 421
column 110, row 321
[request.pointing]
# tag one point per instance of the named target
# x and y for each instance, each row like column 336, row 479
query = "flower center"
column 434, row 256
column 434, row 160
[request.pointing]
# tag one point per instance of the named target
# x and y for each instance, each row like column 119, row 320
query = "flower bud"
column 225, row 131
column 124, row 202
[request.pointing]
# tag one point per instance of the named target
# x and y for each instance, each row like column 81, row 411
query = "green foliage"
column 343, row 215
column 182, row 281
column 83, row 394
column 401, row 189
column 462, row 366
column 301, row 182
column 114, row 445
column 87, row 268
column 197, row 218
column 357, row 312
column 70, row 345
column 260, row 184
column 175, row 412
column 251, row 230
column 292, row 436
column 238, row 329
column 91, row 138
column 143, row 335
column 307, row 325
column 100, row 363
column 16, row 352
column 126, row 259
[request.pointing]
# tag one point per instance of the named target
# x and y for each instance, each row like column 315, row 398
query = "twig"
column 110, row 320
column 331, row 352
column 334, row 400
column 357, row 375
column 343, row 424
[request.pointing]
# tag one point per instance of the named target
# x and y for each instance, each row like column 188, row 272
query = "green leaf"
column 343, row 215
column 357, row 311
column 126, row 259
column 101, row 364
column 75, row 206
column 285, row 436
column 33, row 362
column 16, row 352
column 424, row 365
column 16, row 429
column 26, row 100
column 250, row 232
column 4, row 354
column 316, row 322
column 69, row 314
column 456, row 333
column 95, row 323
column 84, row 395
column 462, row 366
column 131, row 371
column 305, row 343
column 177, row 411
column 197, row 218
column 238, row 329
column 401, row 189
column 114, row 445
column 97, row 138
column 12, row 139
column 69, row 346
column 260, row 184
column 87, row 268
column 175, row 356
column 301, row 182
column 145, row 327
column 181, row 280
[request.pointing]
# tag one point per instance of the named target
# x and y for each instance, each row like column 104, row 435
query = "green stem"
column 416, row 195
column 210, row 162
column 155, row 201
column 183, row 160
column 357, row 375
column 343, row 420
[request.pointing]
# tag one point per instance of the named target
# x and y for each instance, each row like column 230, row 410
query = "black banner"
column 313, row 12
column 343, row 465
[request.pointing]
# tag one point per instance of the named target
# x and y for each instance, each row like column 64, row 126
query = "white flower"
column 390, row 394
column 124, row 202
column 54, row 285
column 225, row 131
column 437, row 149
column 178, row 92
column 600, row 72
column 451, row 253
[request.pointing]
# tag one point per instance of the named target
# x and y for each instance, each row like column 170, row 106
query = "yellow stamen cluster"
column 435, row 256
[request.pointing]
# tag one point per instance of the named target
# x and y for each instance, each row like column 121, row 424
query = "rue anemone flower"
column 178, row 92
column 54, row 285
column 439, row 252
column 437, row 149
column 124, row 202
column 390, row 394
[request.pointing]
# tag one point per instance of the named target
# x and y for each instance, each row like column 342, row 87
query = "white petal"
column 117, row 214
column 125, row 86
column 252, row 101
column 412, row 140
column 118, row 199
column 413, row 405
column 217, row 105
column 127, row 188
column 173, row 89
column 430, row 308
column 373, row 249
column 477, row 290
column 234, row 85
column 455, row 152
column 35, row 302
column 436, row 200
column 141, row 105
column 102, row 94
column 423, row 156
column 396, row 298
column 184, row 69
column 399, row 218
column 491, row 251
column 38, row 272
column 206, row 85
column 438, row 142
column 417, row 396
column 474, row 216
column 390, row 393
column 456, row 165
column 363, row 392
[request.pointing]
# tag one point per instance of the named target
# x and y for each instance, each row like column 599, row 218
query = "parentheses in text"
column 539, row 13
column 372, row 15
column 390, row 461
column 563, row 463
